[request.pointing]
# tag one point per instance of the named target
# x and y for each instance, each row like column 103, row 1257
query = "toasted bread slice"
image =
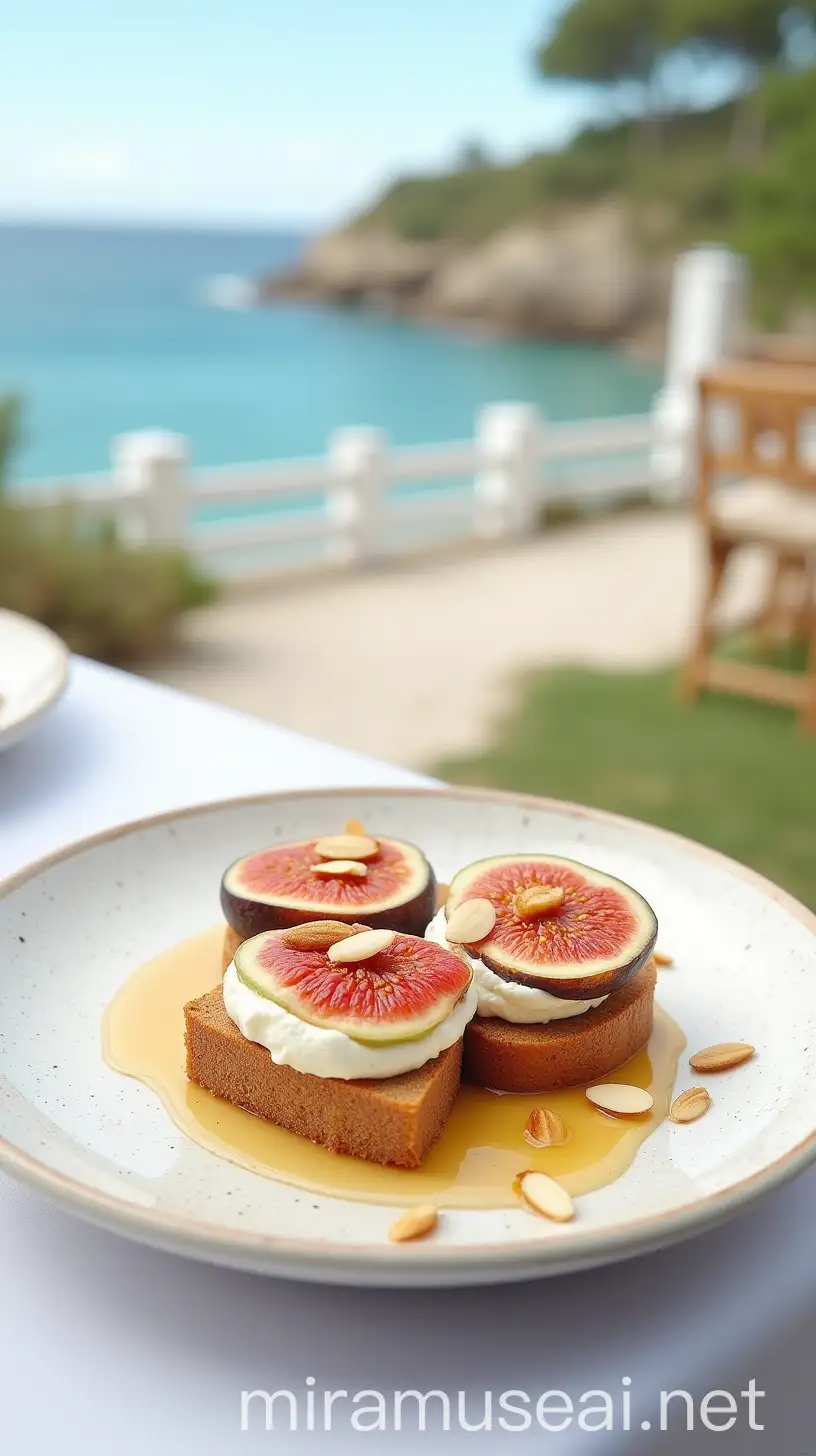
column 539, row 1058
column 232, row 940
column 392, row 1120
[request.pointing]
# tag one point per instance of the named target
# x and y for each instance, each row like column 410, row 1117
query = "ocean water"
column 108, row 330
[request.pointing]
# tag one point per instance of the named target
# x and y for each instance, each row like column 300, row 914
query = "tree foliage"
column 624, row 44
column 614, row 42
column 606, row 42
column 747, row 30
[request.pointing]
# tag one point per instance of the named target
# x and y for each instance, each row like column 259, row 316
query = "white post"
column 707, row 315
column 508, row 439
column 150, row 467
column 358, row 463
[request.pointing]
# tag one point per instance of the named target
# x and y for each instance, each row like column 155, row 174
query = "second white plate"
column 33, row 674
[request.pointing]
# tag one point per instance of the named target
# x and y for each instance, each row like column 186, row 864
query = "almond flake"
column 360, row 947
column 340, row 869
column 546, row 1196
column 722, row 1056
column 353, row 826
column 414, row 1224
column 690, row 1105
column 660, row 958
column 470, row 922
column 538, row 900
column 546, row 1128
column 316, row 935
column 358, row 847
column 621, row 1099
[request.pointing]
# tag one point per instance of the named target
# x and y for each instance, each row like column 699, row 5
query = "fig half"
column 394, row 889
column 397, row 995
column 586, row 944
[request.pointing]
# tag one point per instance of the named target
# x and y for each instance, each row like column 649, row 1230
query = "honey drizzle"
column 481, row 1152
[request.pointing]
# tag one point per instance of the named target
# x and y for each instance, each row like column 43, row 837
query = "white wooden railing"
column 364, row 500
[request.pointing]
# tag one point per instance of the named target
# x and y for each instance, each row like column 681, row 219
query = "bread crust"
column 391, row 1120
column 542, row 1058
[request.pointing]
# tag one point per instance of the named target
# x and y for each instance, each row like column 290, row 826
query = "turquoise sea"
column 104, row 330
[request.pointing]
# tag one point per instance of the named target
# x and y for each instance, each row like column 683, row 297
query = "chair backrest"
column 757, row 420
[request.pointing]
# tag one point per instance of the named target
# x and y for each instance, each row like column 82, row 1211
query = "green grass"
column 731, row 773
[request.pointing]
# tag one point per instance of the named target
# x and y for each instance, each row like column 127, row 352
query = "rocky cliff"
column 582, row 276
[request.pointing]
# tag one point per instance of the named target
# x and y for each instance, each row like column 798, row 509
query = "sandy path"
column 412, row 662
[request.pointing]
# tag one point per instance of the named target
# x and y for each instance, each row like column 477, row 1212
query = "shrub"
column 105, row 599
column 10, row 415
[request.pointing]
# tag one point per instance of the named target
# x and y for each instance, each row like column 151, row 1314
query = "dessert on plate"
column 561, row 956
column 347, row 1007
column 346, row 1034
column 351, row 877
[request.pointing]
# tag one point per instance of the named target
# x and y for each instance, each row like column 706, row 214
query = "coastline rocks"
column 359, row 267
column 581, row 276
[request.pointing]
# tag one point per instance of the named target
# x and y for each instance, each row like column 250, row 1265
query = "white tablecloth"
column 107, row 1347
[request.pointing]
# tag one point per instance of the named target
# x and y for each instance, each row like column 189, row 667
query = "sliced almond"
column 546, row 1196
column 414, row 1224
column 538, row 900
column 546, row 1128
column 660, row 958
column 358, row 847
column 722, row 1056
column 316, row 935
column 690, row 1105
column 361, row 947
column 621, row 1099
column 353, row 826
column 470, row 922
column 340, row 869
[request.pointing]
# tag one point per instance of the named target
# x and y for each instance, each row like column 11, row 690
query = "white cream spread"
column 325, row 1053
column 510, row 1000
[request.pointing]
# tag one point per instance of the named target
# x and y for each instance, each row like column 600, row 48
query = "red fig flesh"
column 288, row 884
column 399, row 994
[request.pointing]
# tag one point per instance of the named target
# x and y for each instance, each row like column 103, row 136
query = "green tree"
column 618, row 45
column 748, row 33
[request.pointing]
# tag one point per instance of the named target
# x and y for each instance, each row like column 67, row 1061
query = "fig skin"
column 248, row 917
column 577, row 988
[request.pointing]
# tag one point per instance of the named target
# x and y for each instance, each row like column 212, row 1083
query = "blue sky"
column 258, row 111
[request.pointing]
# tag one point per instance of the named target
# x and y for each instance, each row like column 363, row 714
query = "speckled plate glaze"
column 33, row 674
column 73, row 927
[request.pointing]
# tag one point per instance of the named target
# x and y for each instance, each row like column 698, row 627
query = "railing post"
column 150, row 468
column 508, row 440
column 358, row 462
column 706, row 316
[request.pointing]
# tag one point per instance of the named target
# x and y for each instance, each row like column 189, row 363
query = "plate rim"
column 18, row 727
column 312, row 1257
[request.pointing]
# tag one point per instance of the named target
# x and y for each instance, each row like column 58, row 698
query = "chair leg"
column 694, row 675
column 807, row 718
column 786, row 611
column 770, row 616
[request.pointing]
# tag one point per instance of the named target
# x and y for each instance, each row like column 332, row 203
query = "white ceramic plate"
column 33, row 673
column 73, row 927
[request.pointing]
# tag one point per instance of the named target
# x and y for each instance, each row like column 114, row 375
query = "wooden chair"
column 757, row 486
